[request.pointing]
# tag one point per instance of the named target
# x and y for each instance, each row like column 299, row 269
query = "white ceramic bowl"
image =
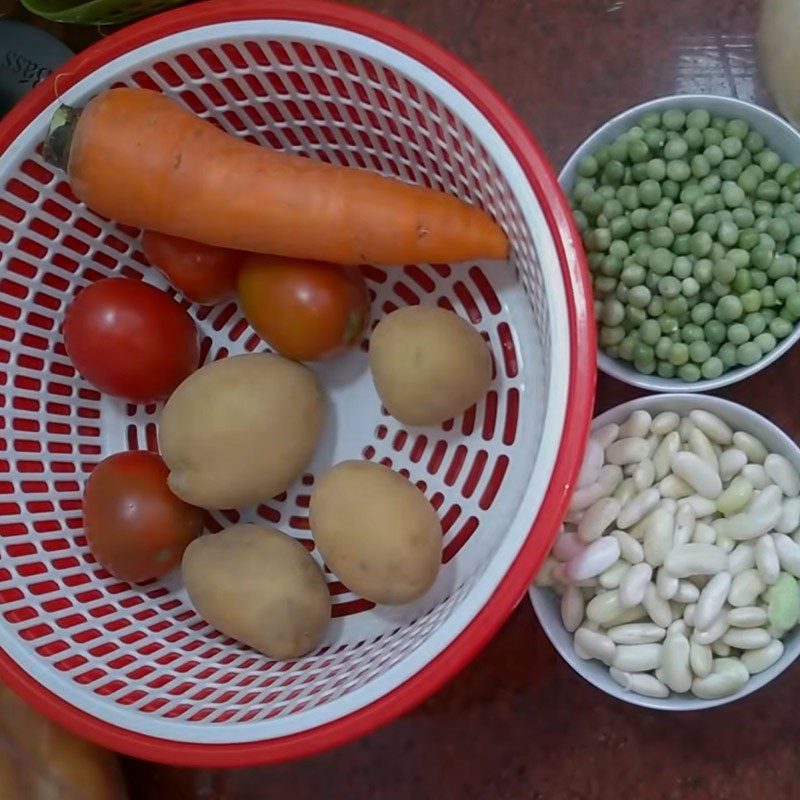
column 546, row 603
column 778, row 134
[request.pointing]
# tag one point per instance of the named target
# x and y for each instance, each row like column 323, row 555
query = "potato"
column 259, row 586
column 376, row 531
column 428, row 364
column 241, row 430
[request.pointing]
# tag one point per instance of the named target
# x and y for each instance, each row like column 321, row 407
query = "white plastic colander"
column 134, row 667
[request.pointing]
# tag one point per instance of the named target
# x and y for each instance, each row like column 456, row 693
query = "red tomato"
column 306, row 310
column 130, row 340
column 136, row 527
column 201, row 272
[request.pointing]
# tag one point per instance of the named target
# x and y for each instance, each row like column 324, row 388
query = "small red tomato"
column 130, row 340
column 135, row 526
column 306, row 310
column 201, row 272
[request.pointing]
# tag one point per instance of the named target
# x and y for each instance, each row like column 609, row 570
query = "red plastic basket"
column 135, row 668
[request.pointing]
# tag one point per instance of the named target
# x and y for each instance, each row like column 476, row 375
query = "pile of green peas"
column 692, row 231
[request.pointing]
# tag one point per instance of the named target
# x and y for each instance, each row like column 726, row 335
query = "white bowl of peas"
column 689, row 207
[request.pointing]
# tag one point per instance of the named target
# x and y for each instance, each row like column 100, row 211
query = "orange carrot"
column 140, row 158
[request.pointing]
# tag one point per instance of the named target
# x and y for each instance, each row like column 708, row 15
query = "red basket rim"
column 580, row 392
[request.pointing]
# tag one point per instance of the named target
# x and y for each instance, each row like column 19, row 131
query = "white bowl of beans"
column 689, row 206
column 673, row 584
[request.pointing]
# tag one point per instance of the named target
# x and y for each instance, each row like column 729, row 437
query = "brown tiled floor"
column 518, row 724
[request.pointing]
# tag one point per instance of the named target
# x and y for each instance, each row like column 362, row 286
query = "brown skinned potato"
column 259, row 586
column 428, row 364
column 376, row 531
column 241, row 430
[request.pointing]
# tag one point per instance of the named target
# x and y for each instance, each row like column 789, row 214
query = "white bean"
column 767, row 562
column 637, row 425
column 703, row 506
column 657, row 607
column 712, row 599
column 644, row 475
column 597, row 518
column 766, row 500
column 783, row 473
column 658, row 536
column 634, row 584
column 666, row 584
column 579, row 651
column 701, row 446
column 613, row 576
column 685, row 427
column 704, row 534
column 757, row 475
column 678, row 626
column 572, row 606
column 675, row 663
column 662, row 458
column 742, row 557
column 604, row 607
column 627, row 451
column 664, row 423
column 695, row 559
column 685, row 520
column 625, row 492
column 763, row 658
column 544, row 577
column 748, row 525
column 653, row 441
column 730, row 463
column 712, row 426
column 595, row 645
column 700, row 659
column 736, row 496
column 627, row 615
column 566, row 546
column 669, row 505
column 788, row 553
column 726, row 679
column 592, row 463
column 595, row 558
column 716, row 630
column 637, row 657
column 789, row 520
column 697, row 473
column 637, row 508
column 750, row 446
column 674, row 487
column 636, row 633
column 747, row 638
column 639, row 683
column 629, row 548
column 747, row 617
column 610, row 477
column 687, row 593
column 745, row 588
column 688, row 614
column 607, row 434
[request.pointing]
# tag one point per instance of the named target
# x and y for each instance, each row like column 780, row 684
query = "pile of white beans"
column 678, row 560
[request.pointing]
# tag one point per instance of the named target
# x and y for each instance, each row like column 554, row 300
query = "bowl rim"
column 674, row 702
column 615, row 367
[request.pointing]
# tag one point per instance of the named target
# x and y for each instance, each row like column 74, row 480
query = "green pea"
column 626, row 347
column 677, row 307
column 592, row 204
column 677, row 170
column 732, row 193
column 793, row 219
column 719, row 123
column 629, row 197
column 681, row 220
column 669, row 286
column 613, row 312
column 668, row 323
column 700, row 166
column 605, row 284
column 681, row 267
column 751, row 301
column 755, row 323
column 611, row 266
column 601, row 239
column 720, row 289
column 662, row 346
column 703, row 271
column 660, row 260
column 675, row 149
column 656, row 169
column 633, row 275
column 748, row 353
column 691, row 332
column 768, row 297
column 611, row 336
column 650, row 332
column 779, row 229
column 643, row 352
column 678, row 354
column 639, row 219
column 731, row 146
column 714, row 155
column 748, row 239
column 670, row 188
column 689, row 373
column 712, row 368
column 754, row 142
column 782, row 265
column 639, row 296
column 588, row 167
column 701, row 244
column 698, row 118
column 657, row 218
column 736, row 127
column 665, row 204
column 758, row 279
column 724, row 271
column 729, row 170
column 580, row 220
column 792, row 306
column 690, row 287
column 729, row 308
column 595, row 260
column 761, row 257
column 637, row 173
column 642, row 254
column 708, row 223
column 768, row 160
column 743, row 217
column 784, row 210
column 768, row 190
column 780, row 328
column 665, row 369
column 682, row 245
column 738, row 334
column 690, row 192
column 712, row 136
column 793, row 247
column 619, row 248
column 638, row 151
column 652, row 119
column 612, row 208
column 635, row 316
column 636, row 240
column 741, row 281
column 727, row 355
column 705, row 204
column 784, row 287
column 699, row 351
column 620, row 227
column 656, row 306
column 583, row 188
column 702, row 313
column 649, row 192
column 763, row 208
